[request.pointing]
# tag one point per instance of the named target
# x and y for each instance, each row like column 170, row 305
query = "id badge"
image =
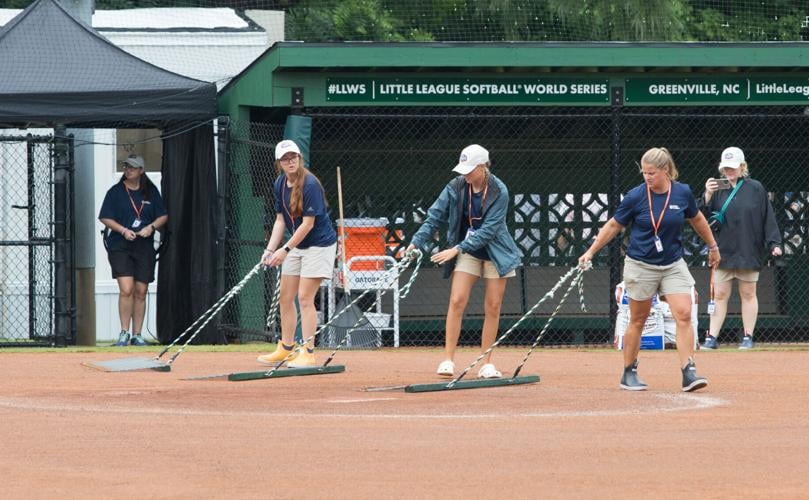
column 711, row 307
column 658, row 245
column 136, row 223
column 469, row 233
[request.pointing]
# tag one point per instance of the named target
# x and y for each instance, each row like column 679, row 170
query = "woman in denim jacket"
column 473, row 206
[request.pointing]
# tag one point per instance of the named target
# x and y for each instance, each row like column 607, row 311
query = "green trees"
column 540, row 20
column 518, row 20
column 626, row 20
column 349, row 20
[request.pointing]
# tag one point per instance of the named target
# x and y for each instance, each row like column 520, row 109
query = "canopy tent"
column 56, row 70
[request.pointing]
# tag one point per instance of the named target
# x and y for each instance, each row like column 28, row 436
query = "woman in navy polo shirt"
column 654, row 259
column 307, row 256
column 133, row 210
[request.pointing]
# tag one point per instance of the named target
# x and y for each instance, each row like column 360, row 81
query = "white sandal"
column 489, row 371
column 446, row 368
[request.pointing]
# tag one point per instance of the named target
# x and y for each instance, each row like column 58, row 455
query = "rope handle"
column 577, row 271
column 388, row 274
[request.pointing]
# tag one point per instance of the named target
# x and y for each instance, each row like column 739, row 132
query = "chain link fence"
column 563, row 168
column 27, row 241
column 249, row 213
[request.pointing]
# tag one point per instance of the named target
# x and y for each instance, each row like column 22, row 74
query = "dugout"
column 565, row 124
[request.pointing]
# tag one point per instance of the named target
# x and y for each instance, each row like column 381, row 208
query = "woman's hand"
column 129, row 235
column 146, row 231
column 714, row 257
column 585, row 261
column 710, row 188
column 265, row 255
column 275, row 258
column 445, row 255
column 776, row 251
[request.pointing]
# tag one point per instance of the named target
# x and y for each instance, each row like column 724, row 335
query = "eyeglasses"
column 289, row 159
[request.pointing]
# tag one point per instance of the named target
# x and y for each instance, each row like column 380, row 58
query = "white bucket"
column 378, row 320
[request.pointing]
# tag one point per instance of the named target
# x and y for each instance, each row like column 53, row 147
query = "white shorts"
column 312, row 262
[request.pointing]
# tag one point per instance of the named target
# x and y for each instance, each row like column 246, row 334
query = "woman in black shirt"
column 745, row 229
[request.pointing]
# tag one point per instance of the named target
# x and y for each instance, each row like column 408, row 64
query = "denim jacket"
column 492, row 234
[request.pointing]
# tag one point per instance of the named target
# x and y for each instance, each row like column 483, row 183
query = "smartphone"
column 722, row 183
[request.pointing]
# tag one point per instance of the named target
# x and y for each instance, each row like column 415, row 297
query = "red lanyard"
column 485, row 189
column 651, row 212
column 284, row 203
column 137, row 211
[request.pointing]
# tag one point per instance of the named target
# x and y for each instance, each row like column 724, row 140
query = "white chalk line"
column 366, row 400
column 676, row 403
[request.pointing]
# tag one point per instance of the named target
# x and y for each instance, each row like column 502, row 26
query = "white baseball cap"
column 471, row 157
column 285, row 147
column 731, row 158
column 134, row 160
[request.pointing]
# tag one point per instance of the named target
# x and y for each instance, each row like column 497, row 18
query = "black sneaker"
column 710, row 343
column 692, row 381
column 137, row 340
column 747, row 342
column 630, row 381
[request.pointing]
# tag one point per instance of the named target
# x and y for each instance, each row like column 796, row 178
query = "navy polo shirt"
column 634, row 210
column 314, row 205
column 118, row 207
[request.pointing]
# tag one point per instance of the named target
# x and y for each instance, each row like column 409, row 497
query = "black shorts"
column 136, row 259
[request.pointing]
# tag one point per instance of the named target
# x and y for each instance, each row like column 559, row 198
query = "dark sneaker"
column 710, row 343
column 138, row 340
column 123, row 339
column 747, row 342
column 630, row 381
column 692, row 381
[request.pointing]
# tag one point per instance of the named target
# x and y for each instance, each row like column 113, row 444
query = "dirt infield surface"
column 75, row 432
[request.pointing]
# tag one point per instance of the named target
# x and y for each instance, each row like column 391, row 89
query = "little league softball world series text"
column 582, row 90
column 467, row 90
column 471, row 88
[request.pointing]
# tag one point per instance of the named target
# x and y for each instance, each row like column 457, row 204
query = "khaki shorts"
column 312, row 262
column 643, row 280
column 722, row 275
column 479, row 267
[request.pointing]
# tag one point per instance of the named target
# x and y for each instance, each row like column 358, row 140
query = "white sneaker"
column 489, row 371
column 446, row 368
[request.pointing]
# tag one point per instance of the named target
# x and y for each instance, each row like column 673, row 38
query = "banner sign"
column 724, row 89
column 561, row 90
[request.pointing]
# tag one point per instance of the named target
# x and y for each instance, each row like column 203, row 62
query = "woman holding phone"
column 744, row 226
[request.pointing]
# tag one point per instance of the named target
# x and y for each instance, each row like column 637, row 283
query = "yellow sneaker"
column 305, row 359
column 280, row 354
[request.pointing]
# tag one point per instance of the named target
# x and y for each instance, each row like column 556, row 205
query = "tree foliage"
column 518, row 20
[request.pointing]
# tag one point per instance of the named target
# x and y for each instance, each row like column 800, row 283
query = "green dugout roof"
column 521, row 73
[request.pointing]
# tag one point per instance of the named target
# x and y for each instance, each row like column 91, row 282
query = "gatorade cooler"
column 365, row 237
column 660, row 328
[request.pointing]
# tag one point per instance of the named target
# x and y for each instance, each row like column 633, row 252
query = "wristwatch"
column 286, row 249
